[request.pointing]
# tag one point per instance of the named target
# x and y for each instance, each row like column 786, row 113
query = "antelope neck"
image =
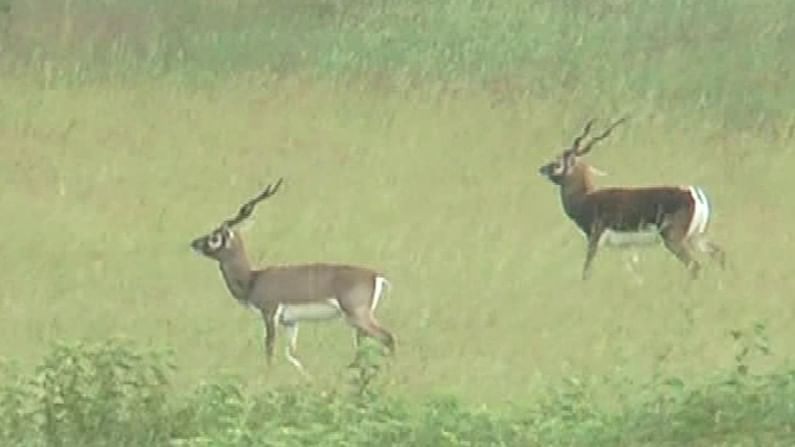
column 574, row 189
column 237, row 274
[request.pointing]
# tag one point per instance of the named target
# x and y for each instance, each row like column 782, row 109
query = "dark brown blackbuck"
column 288, row 294
column 677, row 215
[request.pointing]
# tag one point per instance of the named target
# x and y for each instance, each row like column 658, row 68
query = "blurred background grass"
column 409, row 134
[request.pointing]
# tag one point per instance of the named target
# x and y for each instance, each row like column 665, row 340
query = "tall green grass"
column 723, row 58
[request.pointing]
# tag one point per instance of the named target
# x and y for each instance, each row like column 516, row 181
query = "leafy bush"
column 84, row 394
column 112, row 394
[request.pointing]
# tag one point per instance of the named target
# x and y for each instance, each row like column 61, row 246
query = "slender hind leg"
column 358, row 334
column 362, row 317
column 675, row 242
column 369, row 327
column 713, row 250
column 375, row 330
column 366, row 324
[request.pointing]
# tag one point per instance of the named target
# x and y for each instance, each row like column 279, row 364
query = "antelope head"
column 568, row 164
column 223, row 240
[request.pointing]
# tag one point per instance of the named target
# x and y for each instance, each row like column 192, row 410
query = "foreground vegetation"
column 409, row 133
column 114, row 394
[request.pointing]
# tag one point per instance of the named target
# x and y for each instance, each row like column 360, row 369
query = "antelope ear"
column 597, row 171
column 228, row 232
column 569, row 160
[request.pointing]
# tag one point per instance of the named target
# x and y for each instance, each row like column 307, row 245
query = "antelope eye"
column 214, row 241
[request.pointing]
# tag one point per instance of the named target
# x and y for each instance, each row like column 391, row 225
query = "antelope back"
column 351, row 286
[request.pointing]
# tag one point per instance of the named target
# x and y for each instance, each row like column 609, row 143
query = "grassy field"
column 409, row 134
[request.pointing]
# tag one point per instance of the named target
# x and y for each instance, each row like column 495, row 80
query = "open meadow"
column 409, row 134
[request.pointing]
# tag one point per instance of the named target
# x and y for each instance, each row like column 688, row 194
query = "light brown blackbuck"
column 679, row 215
column 288, row 294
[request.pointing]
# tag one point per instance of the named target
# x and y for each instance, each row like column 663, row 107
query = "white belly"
column 322, row 310
column 627, row 238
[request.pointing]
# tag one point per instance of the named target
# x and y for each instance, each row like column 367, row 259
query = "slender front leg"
column 290, row 351
column 593, row 246
column 269, row 318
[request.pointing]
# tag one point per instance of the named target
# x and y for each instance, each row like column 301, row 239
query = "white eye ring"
column 214, row 241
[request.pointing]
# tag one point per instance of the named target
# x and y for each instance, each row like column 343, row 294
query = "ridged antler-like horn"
column 248, row 208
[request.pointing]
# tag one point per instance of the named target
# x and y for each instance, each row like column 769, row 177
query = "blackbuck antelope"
column 288, row 294
column 630, row 215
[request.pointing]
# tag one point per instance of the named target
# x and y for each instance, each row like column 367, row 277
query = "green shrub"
column 112, row 393
column 88, row 394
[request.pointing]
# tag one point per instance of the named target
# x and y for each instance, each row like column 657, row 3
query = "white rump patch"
column 701, row 210
column 321, row 310
column 378, row 290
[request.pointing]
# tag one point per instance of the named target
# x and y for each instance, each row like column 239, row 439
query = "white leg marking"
column 277, row 316
column 380, row 284
column 292, row 346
